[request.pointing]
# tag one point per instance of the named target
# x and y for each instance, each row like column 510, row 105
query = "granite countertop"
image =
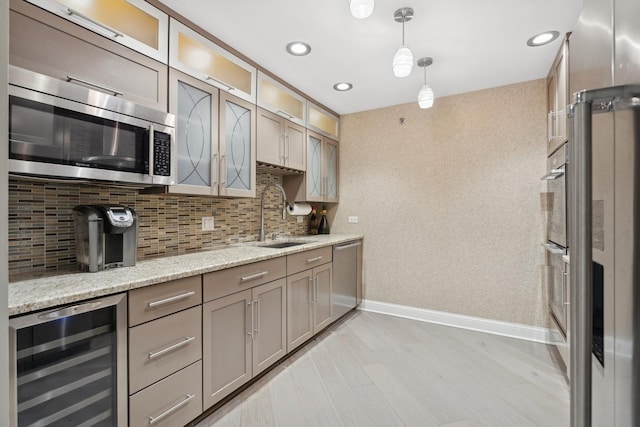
column 40, row 293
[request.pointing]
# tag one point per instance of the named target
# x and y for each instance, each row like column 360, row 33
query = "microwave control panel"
column 161, row 154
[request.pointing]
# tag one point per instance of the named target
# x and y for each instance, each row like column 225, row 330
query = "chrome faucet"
column 284, row 206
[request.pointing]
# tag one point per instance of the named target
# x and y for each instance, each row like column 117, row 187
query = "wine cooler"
column 69, row 366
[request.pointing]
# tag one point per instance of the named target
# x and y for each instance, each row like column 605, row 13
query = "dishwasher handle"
column 347, row 246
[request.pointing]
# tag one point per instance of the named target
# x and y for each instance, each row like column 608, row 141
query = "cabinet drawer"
column 155, row 301
column 159, row 348
column 231, row 280
column 174, row 401
column 47, row 44
column 309, row 259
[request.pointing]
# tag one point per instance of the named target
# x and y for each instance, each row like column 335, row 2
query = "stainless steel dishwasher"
column 345, row 277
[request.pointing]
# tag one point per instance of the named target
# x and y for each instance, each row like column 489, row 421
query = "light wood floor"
column 377, row 370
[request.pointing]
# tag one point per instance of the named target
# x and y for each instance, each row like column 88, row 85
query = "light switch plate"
column 353, row 219
column 299, row 219
column 207, row 223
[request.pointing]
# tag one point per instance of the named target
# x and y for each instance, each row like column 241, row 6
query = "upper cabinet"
column 320, row 182
column 558, row 99
column 52, row 45
column 133, row 23
column 215, row 136
column 322, row 121
column 237, row 147
column 280, row 142
column 195, row 105
column 198, row 56
column 278, row 99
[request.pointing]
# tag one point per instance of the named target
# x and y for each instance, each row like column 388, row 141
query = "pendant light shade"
column 361, row 8
column 425, row 96
column 402, row 62
column 403, row 59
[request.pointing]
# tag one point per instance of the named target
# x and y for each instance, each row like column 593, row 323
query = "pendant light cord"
column 404, row 18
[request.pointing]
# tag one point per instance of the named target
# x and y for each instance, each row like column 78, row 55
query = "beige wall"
column 449, row 202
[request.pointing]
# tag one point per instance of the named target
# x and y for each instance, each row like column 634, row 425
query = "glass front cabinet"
column 215, row 136
column 322, row 121
column 320, row 182
column 194, row 54
column 237, row 147
column 133, row 23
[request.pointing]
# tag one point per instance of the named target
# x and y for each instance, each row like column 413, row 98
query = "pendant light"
column 425, row 96
column 361, row 8
column 403, row 59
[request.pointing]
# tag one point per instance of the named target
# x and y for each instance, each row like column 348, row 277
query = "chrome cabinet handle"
column 229, row 87
column 315, row 289
column 98, row 86
column 288, row 147
column 350, row 245
column 324, row 187
column 285, row 114
column 153, row 420
column 554, row 249
column 73, row 12
column 554, row 174
column 314, row 259
column 250, row 305
column 216, row 172
column 282, row 151
column 223, row 172
column 257, row 303
column 187, row 340
column 254, row 276
column 169, row 300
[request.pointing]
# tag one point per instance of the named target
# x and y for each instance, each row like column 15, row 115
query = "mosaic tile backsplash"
column 41, row 233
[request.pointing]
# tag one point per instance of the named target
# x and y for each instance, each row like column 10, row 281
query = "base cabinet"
column 243, row 334
column 174, row 401
column 309, row 304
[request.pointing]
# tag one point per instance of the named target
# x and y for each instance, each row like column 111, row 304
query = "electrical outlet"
column 353, row 219
column 299, row 219
column 207, row 223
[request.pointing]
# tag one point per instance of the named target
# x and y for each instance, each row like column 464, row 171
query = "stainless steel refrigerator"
column 604, row 215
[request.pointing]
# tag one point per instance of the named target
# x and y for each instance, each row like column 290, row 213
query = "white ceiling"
column 475, row 44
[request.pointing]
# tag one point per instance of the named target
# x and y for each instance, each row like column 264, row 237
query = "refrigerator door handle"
column 581, row 303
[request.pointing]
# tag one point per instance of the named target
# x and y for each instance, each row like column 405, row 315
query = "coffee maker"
column 106, row 236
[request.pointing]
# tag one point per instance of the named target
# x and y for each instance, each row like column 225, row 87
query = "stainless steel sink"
column 280, row 245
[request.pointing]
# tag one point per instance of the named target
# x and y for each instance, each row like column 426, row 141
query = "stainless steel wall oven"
column 556, row 249
column 69, row 365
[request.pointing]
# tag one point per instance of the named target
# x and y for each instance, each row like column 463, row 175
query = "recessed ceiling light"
column 543, row 38
column 298, row 48
column 342, row 86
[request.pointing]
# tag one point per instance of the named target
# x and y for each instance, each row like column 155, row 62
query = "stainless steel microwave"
column 62, row 129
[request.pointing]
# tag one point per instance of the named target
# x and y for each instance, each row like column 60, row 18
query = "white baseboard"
column 507, row 329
